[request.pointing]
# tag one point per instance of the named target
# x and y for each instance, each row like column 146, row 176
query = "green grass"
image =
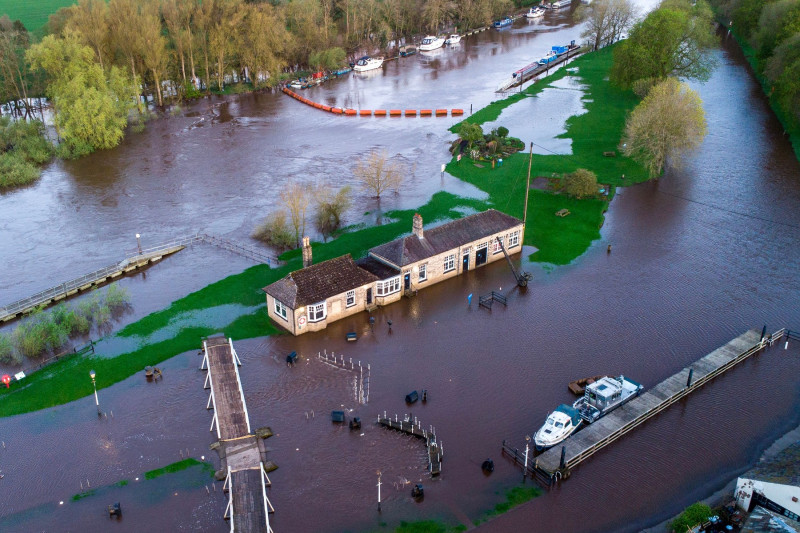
column 562, row 240
column 32, row 13
column 84, row 494
column 177, row 467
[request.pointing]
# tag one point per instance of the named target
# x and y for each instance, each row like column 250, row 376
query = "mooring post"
column 763, row 332
column 563, row 457
column 525, row 469
column 786, row 346
column 689, row 379
column 379, row 491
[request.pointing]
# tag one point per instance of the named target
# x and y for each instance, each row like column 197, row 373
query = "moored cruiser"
column 559, row 425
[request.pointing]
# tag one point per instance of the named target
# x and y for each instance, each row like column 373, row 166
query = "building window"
column 316, row 312
column 280, row 309
column 482, row 245
column 513, row 239
column 497, row 245
column 384, row 288
column 423, row 272
column 350, row 298
column 450, row 263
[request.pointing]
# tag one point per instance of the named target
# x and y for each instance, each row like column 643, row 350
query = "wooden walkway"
column 414, row 427
column 83, row 283
column 240, row 451
column 586, row 442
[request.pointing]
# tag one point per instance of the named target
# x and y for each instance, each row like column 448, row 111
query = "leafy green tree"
column 91, row 105
column 670, row 41
column 696, row 513
column 665, row 126
column 262, row 42
column 329, row 59
column 580, row 183
column 779, row 21
column 471, row 133
column 783, row 70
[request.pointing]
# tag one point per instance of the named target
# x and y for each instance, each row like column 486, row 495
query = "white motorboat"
column 605, row 395
column 453, row 39
column 559, row 425
column 560, row 3
column 535, row 12
column 368, row 63
column 431, row 43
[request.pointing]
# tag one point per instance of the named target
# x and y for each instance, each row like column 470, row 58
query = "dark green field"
column 32, row 13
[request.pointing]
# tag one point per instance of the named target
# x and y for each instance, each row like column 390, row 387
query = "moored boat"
column 368, row 63
column 502, row 23
column 560, row 3
column 535, row 12
column 453, row 39
column 549, row 58
column 559, row 425
column 431, row 42
column 406, row 51
column 605, row 395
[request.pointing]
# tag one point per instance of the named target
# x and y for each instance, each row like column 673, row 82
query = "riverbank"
column 560, row 240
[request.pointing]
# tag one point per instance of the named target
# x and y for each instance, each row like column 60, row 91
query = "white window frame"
column 496, row 248
column 280, row 309
column 315, row 309
column 513, row 239
column 350, row 298
column 482, row 245
column 449, row 263
column 423, row 272
column 387, row 287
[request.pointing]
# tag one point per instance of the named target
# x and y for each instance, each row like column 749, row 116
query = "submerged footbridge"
column 241, row 452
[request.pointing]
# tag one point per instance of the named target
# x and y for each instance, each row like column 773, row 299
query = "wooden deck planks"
column 227, row 398
column 639, row 409
column 248, row 502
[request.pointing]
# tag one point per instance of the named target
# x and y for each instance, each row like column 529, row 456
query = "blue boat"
column 502, row 23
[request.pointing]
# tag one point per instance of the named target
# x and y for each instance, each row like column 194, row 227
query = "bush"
column 116, row 297
column 580, row 183
column 15, row 170
column 696, row 513
column 274, row 230
column 8, row 355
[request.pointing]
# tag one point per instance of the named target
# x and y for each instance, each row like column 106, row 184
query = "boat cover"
column 570, row 412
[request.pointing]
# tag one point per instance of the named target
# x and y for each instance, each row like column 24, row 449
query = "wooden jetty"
column 83, row 283
column 414, row 427
column 557, row 462
column 241, row 452
column 524, row 76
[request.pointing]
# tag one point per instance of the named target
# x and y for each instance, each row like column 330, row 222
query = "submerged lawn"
column 561, row 240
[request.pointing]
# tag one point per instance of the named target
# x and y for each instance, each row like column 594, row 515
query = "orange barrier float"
column 411, row 112
column 365, row 113
column 441, row 112
column 326, row 108
column 368, row 112
column 350, row 112
column 425, row 112
column 337, row 110
column 380, row 112
column 395, row 113
column 454, row 112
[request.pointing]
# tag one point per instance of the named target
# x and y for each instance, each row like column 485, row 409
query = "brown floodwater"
column 698, row 257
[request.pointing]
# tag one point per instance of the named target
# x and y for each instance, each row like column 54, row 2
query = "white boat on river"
column 368, row 63
column 605, row 395
column 559, row 425
column 431, row 42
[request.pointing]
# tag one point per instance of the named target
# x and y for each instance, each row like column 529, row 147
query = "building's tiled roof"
column 383, row 271
column 784, row 468
column 318, row 282
column 410, row 249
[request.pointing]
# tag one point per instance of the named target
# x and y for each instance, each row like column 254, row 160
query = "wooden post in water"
column 563, row 457
column 689, row 379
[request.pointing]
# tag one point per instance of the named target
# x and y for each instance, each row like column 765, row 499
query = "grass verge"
column 177, row 467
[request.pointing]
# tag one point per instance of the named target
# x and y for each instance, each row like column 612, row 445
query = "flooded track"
column 704, row 254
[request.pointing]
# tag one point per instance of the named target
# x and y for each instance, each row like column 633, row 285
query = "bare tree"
column 606, row 20
column 665, row 126
column 378, row 174
column 296, row 198
column 330, row 208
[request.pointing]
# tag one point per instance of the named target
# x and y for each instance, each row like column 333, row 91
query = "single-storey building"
column 773, row 484
column 308, row 299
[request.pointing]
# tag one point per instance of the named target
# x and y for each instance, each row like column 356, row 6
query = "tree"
column 91, row 105
column 436, row 12
column 330, row 208
column 378, row 174
column 580, row 183
column 296, row 199
column 665, row 126
column 89, row 19
column 471, row 133
column 261, row 41
column 670, row 41
column 606, row 20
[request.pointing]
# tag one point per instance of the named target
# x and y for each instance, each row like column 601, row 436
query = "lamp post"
column 94, row 384
column 527, row 447
column 139, row 243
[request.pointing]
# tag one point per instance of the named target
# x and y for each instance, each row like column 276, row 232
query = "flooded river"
column 698, row 257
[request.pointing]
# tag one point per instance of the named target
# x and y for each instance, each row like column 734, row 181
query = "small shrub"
column 690, row 517
column 274, row 230
column 116, row 297
column 580, row 183
column 8, row 355
column 502, row 132
column 15, row 170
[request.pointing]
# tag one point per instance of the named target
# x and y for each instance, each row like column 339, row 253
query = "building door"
column 465, row 262
column 480, row 257
column 407, row 281
column 369, row 296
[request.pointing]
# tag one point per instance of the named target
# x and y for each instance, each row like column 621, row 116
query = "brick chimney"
column 417, row 226
column 306, row 252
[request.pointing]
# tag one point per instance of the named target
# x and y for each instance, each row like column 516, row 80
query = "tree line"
column 772, row 29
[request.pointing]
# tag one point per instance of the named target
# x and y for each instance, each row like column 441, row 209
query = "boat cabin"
column 603, row 393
